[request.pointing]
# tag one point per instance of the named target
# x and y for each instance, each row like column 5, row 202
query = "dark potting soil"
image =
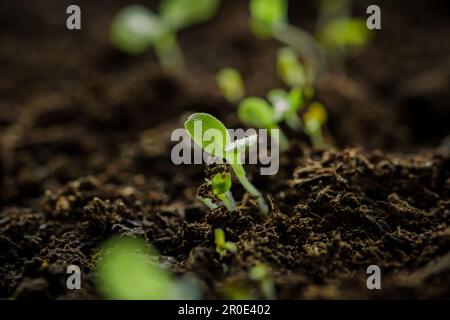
column 85, row 155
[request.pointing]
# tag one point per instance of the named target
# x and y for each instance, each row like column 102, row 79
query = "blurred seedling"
column 135, row 29
column 213, row 137
column 314, row 119
column 257, row 112
column 260, row 273
column 338, row 32
column 126, row 270
column 231, row 84
column 269, row 19
column 219, row 186
column 223, row 246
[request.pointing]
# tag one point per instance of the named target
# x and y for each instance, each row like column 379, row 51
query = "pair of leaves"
column 136, row 28
column 223, row 246
column 259, row 113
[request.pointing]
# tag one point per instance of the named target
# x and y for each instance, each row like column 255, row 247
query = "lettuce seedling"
column 289, row 68
column 287, row 105
column 256, row 112
column 261, row 274
column 136, row 28
column 344, row 35
column 221, row 184
column 231, row 84
column 267, row 15
column 338, row 32
column 223, row 246
column 269, row 19
column 314, row 119
column 125, row 271
column 213, row 137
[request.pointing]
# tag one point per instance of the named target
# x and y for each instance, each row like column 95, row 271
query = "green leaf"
column 135, row 29
column 289, row 68
column 296, row 99
column 267, row 15
column 231, row 84
column 219, row 237
column 256, row 112
column 221, row 183
column 125, row 272
column 279, row 99
column 180, row 14
column 345, row 33
column 208, row 132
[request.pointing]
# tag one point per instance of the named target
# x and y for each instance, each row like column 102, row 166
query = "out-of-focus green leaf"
column 180, row 14
column 267, row 15
column 135, row 29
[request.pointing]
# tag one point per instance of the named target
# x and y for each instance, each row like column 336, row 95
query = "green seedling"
column 256, row 112
column 213, row 137
column 267, row 16
column 223, row 246
column 338, row 32
column 125, row 271
column 287, row 105
column 314, row 119
column 269, row 19
column 289, row 68
column 221, row 184
column 261, row 274
column 136, row 28
column 344, row 35
column 231, row 84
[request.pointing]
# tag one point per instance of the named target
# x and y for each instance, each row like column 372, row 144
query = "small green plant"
column 289, row 68
column 231, row 84
column 338, row 32
column 257, row 112
column 223, row 246
column 219, row 186
column 136, row 28
column 269, row 19
column 213, row 137
column 314, row 119
column 261, row 274
column 125, row 271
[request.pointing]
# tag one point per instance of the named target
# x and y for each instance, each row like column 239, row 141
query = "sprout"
column 260, row 273
column 135, row 28
column 287, row 105
column 267, row 15
column 289, row 68
column 221, row 184
column 213, row 137
column 344, row 35
column 256, row 112
column 338, row 32
column 314, row 119
column 269, row 19
column 231, row 84
column 125, row 272
column 222, row 246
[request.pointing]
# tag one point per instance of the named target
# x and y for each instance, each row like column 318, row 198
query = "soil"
column 85, row 155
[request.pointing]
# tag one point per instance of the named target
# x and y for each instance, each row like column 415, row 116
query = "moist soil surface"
column 85, row 155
